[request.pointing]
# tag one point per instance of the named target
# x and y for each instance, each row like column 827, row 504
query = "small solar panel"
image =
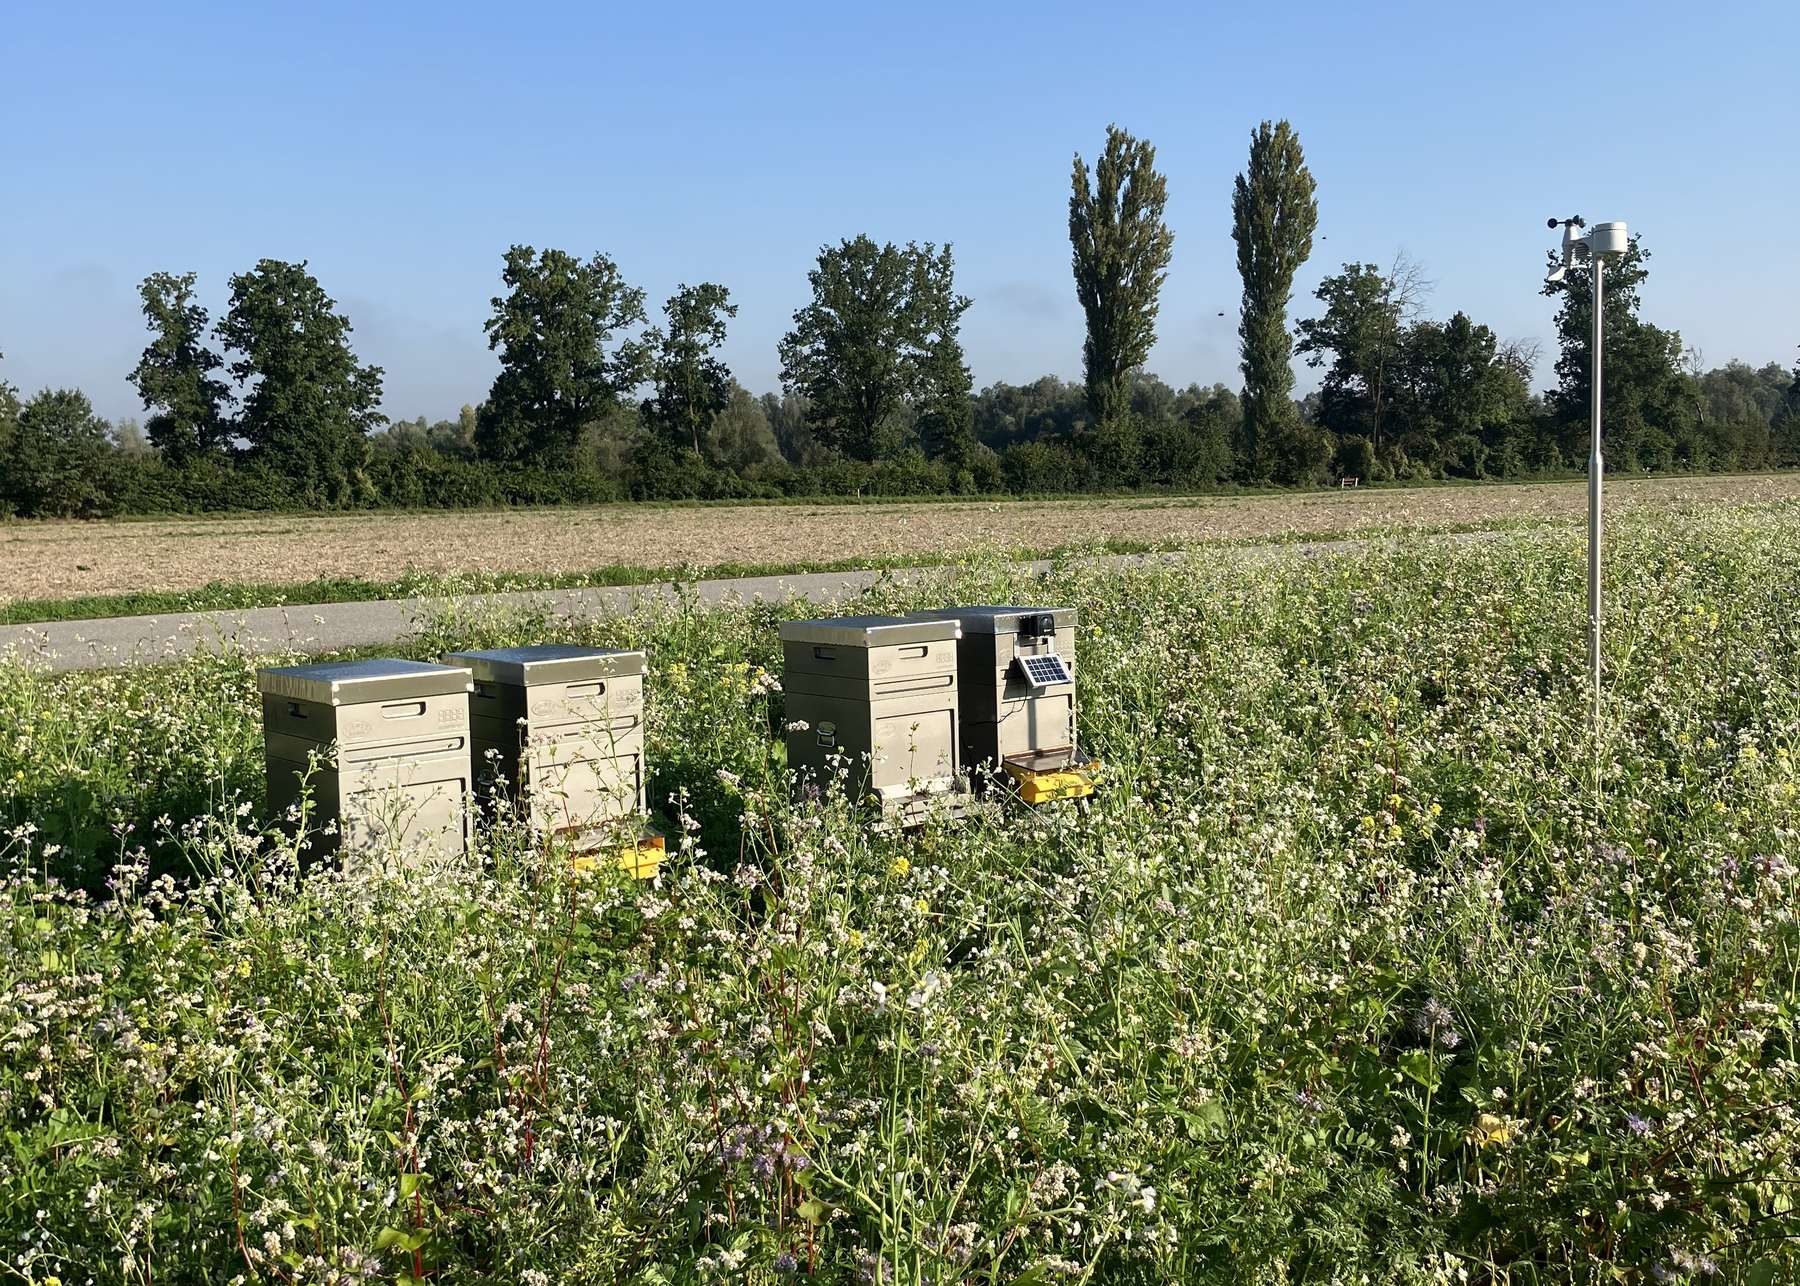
column 1044, row 669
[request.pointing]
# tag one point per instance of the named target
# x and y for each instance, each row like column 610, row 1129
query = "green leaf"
column 814, row 1211
column 1762, row 1273
column 1418, row 1065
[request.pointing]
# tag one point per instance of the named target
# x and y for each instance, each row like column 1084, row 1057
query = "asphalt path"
column 118, row 641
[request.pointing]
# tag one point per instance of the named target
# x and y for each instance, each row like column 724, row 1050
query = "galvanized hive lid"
column 990, row 619
column 869, row 631
column 340, row 683
column 549, row 663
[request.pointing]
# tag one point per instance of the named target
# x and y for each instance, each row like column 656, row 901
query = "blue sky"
column 402, row 147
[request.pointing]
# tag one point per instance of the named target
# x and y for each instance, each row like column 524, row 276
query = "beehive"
column 881, row 692
column 1016, row 677
column 561, row 730
column 390, row 740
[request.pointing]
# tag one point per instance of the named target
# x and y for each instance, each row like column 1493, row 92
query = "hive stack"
column 560, row 730
column 881, row 693
column 390, row 740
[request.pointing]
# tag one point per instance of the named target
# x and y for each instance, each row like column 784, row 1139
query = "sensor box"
column 1016, row 677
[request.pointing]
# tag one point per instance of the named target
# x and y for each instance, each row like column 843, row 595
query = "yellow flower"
column 1490, row 1131
column 243, row 968
column 853, row 937
column 921, row 906
column 1436, row 809
column 900, row 866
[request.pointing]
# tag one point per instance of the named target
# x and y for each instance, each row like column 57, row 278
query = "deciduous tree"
column 1121, row 256
column 176, row 376
column 308, row 403
column 1360, row 334
column 692, row 384
column 878, row 342
column 563, row 363
column 1651, row 406
column 59, row 457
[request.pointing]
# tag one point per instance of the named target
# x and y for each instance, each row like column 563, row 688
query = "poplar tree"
column 1273, row 215
column 1121, row 249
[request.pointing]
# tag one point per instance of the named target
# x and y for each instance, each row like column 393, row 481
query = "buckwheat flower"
column 798, row 725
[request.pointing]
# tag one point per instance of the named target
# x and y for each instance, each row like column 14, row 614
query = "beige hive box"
column 563, row 728
column 1016, row 674
column 881, row 691
column 392, row 743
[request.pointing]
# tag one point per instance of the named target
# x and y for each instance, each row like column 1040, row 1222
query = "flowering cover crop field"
column 1362, row 966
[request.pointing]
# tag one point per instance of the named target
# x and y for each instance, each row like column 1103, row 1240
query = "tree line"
column 270, row 406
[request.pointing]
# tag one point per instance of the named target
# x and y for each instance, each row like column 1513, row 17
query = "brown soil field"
column 40, row 560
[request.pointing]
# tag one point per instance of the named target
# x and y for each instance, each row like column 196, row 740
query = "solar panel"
column 1044, row 669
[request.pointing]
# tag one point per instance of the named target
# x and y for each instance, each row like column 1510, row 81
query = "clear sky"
column 401, row 147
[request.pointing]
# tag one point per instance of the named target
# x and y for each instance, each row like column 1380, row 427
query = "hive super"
column 920, row 711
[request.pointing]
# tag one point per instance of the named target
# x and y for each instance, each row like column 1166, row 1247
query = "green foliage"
column 562, row 365
column 1461, row 400
column 1121, row 257
column 1353, row 969
column 1273, row 214
column 1362, row 331
column 175, row 376
column 693, row 386
column 877, row 345
column 308, row 405
column 1651, row 407
column 59, row 456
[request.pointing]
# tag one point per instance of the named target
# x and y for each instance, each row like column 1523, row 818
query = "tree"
column 128, row 436
column 692, row 385
column 1366, row 315
column 60, row 457
column 1462, row 399
column 1785, row 435
column 176, row 374
column 1273, row 214
column 1121, row 258
column 309, row 404
column 1651, row 406
column 786, row 414
column 943, row 403
column 878, row 342
column 1009, row 413
column 739, row 438
column 560, row 367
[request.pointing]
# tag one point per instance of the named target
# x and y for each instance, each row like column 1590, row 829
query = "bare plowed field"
column 64, row 559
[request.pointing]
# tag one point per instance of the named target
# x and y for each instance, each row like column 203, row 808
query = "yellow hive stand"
column 1051, row 775
column 641, row 858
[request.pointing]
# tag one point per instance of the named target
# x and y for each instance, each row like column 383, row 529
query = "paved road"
column 330, row 627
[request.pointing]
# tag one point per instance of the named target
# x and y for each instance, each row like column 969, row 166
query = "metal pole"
column 1596, row 474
